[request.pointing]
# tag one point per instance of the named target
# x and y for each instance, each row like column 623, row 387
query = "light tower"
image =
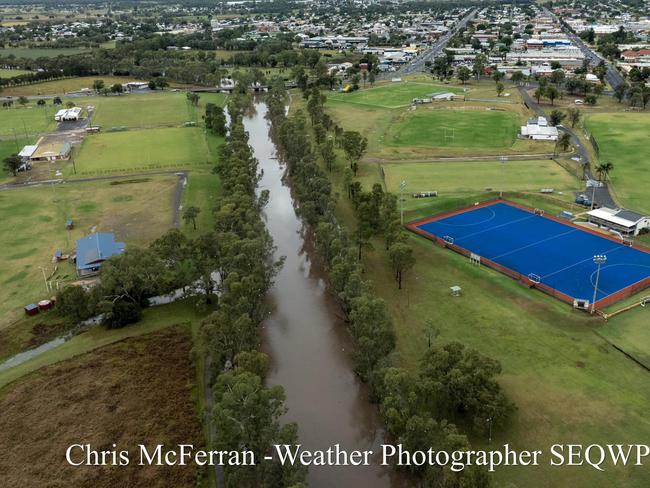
column 599, row 260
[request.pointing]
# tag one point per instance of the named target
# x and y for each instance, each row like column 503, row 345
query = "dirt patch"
column 42, row 333
column 138, row 391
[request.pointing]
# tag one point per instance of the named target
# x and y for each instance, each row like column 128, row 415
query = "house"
column 93, row 250
column 636, row 55
column 625, row 222
column 538, row 129
column 53, row 151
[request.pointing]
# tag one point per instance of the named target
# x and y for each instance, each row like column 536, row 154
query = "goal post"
column 534, row 278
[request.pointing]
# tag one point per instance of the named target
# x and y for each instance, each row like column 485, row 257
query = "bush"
column 122, row 313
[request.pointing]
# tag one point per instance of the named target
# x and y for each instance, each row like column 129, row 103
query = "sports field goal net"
column 535, row 278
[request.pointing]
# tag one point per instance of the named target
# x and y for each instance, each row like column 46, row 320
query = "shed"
column 455, row 290
column 27, row 151
column 31, row 309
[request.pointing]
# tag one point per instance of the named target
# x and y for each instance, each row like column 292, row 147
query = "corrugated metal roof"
column 96, row 248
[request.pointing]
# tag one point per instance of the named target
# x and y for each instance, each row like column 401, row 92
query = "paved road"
column 613, row 77
column 417, row 64
column 601, row 195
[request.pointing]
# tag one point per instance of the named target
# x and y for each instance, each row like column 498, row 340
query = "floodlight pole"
column 402, row 186
column 599, row 260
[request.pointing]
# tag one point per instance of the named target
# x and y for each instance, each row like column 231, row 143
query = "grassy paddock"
column 161, row 109
column 60, row 87
column 11, row 73
column 392, row 95
column 477, row 176
column 29, row 120
column 33, row 53
column 34, row 218
column 142, row 150
column 623, row 141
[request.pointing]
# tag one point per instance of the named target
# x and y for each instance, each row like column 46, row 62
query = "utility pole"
column 599, row 260
column 402, row 186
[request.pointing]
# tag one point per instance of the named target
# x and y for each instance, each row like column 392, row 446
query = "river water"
column 307, row 339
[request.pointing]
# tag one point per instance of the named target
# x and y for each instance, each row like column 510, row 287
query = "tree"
column 69, row 104
column 57, row 101
column 556, row 117
column 117, row 88
column 98, row 85
column 193, row 98
column 463, row 382
column 574, row 116
column 371, row 78
column 497, row 76
column 152, row 85
column 190, row 214
column 41, row 103
column 552, row 93
column 464, row 74
column 500, row 87
column 517, row 77
column 620, row 92
column 603, row 170
column 121, row 314
column 73, row 302
column 539, row 93
column 478, row 65
column 12, row 163
column 354, row 145
column 402, row 259
column 563, row 142
column 23, row 101
column 328, row 154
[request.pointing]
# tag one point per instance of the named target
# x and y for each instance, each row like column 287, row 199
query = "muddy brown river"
column 308, row 342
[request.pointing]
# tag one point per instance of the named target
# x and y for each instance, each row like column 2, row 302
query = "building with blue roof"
column 94, row 249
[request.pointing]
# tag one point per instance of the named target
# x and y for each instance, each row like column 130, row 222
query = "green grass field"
column 623, row 141
column 11, row 73
column 33, row 53
column 569, row 385
column 454, row 128
column 161, row 109
column 477, row 176
column 34, row 227
column 392, row 95
column 31, row 120
column 142, row 150
column 59, row 87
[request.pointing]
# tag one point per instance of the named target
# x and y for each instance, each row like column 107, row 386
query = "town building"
column 625, row 222
column 538, row 129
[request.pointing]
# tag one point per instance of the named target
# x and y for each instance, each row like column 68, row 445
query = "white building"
column 624, row 222
column 539, row 130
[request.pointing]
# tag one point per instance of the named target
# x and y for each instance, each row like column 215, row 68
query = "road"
column 613, row 77
column 600, row 195
column 417, row 64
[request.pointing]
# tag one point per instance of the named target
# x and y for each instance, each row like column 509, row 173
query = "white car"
column 579, row 102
